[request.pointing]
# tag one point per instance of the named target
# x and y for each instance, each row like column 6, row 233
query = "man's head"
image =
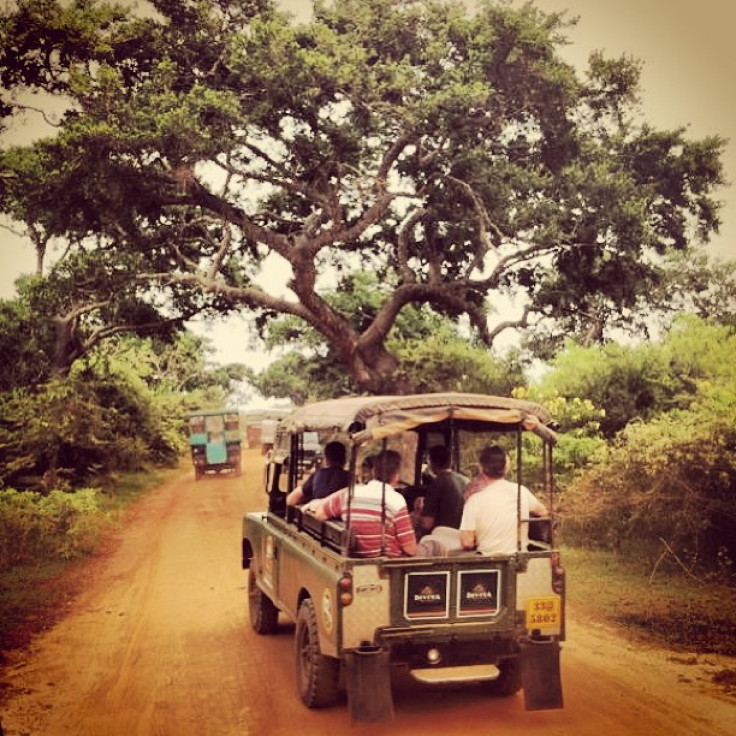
column 366, row 468
column 439, row 457
column 494, row 461
column 386, row 466
column 335, row 454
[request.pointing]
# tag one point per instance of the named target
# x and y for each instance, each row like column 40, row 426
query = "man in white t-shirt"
column 489, row 522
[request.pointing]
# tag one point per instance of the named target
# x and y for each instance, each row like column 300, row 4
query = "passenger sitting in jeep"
column 395, row 537
column 492, row 506
column 324, row 481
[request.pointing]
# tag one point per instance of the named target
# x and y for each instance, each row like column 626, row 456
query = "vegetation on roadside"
column 119, row 409
column 43, row 538
column 660, row 602
column 663, row 474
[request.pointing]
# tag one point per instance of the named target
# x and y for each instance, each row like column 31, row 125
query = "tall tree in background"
column 454, row 155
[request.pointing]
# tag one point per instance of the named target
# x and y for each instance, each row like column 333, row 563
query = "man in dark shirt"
column 320, row 484
column 443, row 502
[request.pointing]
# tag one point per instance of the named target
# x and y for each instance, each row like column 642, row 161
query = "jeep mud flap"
column 540, row 674
column 368, row 685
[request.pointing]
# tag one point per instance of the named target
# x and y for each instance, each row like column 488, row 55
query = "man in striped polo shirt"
column 377, row 513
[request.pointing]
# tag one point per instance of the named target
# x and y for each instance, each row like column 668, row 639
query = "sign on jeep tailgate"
column 478, row 592
column 426, row 595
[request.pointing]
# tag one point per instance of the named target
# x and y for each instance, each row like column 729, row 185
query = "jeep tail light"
column 345, row 590
column 558, row 574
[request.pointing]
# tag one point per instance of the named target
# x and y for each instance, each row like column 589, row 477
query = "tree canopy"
column 455, row 155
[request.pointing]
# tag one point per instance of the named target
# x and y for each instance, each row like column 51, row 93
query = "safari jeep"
column 457, row 616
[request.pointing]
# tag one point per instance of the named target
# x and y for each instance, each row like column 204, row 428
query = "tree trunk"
column 375, row 370
column 66, row 347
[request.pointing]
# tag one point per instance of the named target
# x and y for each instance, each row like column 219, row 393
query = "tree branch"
column 523, row 321
column 402, row 254
column 200, row 195
column 250, row 296
column 513, row 259
column 222, row 251
column 41, row 112
column 486, row 224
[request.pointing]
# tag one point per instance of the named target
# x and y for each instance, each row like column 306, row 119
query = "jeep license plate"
column 544, row 613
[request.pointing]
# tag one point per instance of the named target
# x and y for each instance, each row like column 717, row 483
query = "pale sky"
column 689, row 56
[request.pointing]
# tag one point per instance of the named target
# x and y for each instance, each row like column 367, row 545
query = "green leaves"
column 36, row 527
column 669, row 472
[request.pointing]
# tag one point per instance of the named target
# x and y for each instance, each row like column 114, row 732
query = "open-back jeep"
column 460, row 615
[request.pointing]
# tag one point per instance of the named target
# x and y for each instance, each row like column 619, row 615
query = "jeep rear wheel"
column 263, row 613
column 317, row 676
column 508, row 681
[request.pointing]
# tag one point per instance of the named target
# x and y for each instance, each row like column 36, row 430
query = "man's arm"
column 536, row 507
column 329, row 507
column 295, row 497
column 429, row 509
column 405, row 533
column 303, row 492
column 467, row 538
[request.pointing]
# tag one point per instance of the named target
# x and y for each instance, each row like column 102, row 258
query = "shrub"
column 668, row 482
column 59, row 525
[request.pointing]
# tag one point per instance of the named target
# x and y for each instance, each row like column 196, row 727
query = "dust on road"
column 159, row 644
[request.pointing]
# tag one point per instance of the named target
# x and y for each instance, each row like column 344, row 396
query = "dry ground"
column 155, row 641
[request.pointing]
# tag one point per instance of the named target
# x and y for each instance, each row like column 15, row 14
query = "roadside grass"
column 663, row 604
column 34, row 594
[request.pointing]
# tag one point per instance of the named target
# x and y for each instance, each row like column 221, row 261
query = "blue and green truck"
column 215, row 440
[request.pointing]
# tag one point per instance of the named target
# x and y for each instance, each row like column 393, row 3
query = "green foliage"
column 301, row 379
column 580, row 442
column 671, row 479
column 56, row 526
column 639, row 382
column 26, row 345
column 627, row 383
column 121, row 411
column 443, row 361
column 62, row 433
column 692, row 284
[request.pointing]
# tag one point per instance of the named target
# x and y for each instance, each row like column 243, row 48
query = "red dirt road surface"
column 159, row 644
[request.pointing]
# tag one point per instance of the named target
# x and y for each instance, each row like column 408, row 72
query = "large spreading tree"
column 452, row 153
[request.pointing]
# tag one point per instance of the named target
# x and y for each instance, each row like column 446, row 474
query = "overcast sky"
column 689, row 54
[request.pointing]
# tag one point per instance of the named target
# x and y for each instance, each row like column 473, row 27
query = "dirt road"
column 159, row 644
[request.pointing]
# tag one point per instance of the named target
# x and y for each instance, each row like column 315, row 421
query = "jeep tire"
column 263, row 613
column 508, row 682
column 317, row 676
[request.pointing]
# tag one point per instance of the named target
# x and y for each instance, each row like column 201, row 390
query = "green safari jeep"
column 456, row 615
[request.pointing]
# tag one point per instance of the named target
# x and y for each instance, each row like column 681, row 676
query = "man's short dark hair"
column 493, row 461
column 440, row 456
column 386, row 465
column 335, row 453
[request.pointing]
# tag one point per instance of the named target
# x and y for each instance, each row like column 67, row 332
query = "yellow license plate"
column 544, row 613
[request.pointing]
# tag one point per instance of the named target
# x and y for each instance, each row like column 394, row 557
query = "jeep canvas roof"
column 368, row 418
